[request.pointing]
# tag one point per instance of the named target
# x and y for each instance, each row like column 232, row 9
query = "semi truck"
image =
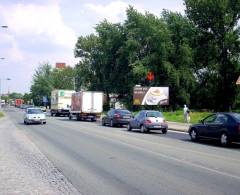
column 86, row 105
column 61, row 102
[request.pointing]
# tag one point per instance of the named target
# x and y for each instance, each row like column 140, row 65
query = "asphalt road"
column 104, row 160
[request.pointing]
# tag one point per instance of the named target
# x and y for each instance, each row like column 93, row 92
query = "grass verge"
column 1, row 114
column 177, row 116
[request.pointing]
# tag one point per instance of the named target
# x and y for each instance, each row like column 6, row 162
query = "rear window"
column 123, row 112
column 34, row 111
column 236, row 116
column 154, row 114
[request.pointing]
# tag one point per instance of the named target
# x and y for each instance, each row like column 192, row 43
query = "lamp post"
column 7, row 79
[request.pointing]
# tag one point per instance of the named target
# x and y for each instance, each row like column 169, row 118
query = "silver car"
column 34, row 115
column 147, row 120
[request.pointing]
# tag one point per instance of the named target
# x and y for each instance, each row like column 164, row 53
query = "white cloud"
column 115, row 11
column 38, row 21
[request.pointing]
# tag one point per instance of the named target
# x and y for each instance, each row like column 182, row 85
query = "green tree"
column 181, row 79
column 42, row 83
column 217, row 53
column 103, row 65
column 63, row 78
column 27, row 97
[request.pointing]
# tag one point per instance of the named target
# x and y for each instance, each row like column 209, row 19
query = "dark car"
column 117, row 117
column 147, row 120
column 221, row 126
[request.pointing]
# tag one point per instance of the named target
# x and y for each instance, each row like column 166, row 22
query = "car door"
column 134, row 121
column 141, row 119
column 217, row 126
column 209, row 124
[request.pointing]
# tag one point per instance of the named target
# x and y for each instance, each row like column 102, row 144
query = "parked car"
column 34, row 115
column 147, row 120
column 117, row 117
column 220, row 126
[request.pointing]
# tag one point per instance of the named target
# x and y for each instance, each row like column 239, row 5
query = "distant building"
column 60, row 65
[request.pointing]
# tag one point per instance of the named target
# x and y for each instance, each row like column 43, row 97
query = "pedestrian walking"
column 186, row 114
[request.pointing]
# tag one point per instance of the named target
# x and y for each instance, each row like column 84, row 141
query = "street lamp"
column 7, row 79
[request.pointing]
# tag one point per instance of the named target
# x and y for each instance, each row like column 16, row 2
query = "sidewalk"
column 24, row 169
column 178, row 126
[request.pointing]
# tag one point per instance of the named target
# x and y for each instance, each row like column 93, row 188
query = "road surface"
column 104, row 160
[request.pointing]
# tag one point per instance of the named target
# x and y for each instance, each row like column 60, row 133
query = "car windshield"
column 34, row 111
column 236, row 116
column 154, row 114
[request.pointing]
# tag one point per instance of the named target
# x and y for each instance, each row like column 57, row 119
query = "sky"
column 46, row 31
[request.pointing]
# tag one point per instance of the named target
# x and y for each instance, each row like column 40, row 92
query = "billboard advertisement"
column 150, row 95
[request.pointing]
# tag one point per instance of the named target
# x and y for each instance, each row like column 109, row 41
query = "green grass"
column 177, row 116
column 1, row 114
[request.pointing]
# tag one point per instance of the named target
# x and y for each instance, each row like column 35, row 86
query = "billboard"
column 150, row 95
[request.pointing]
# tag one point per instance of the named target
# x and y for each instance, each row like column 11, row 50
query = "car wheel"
column 111, row 123
column 44, row 123
column 24, row 122
column 129, row 128
column 70, row 117
column 224, row 139
column 193, row 135
column 142, row 129
column 51, row 114
column 164, row 131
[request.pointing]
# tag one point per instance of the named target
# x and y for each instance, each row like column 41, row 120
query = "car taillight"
column 147, row 121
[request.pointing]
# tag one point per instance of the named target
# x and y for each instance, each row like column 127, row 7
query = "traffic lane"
column 199, row 149
column 217, row 153
column 143, row 136
column 99, row 175
column 190, row 187
column 174, row 134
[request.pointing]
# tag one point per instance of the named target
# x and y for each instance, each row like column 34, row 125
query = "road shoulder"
column 24, row 169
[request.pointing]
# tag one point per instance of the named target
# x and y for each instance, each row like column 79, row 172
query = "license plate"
column 158, row 126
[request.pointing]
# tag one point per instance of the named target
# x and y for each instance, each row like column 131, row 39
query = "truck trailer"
column 86, row 105
column 61, row 102
column 18, row 102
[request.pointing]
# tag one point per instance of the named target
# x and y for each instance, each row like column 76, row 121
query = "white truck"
column 86, row 105
column 61, row 102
